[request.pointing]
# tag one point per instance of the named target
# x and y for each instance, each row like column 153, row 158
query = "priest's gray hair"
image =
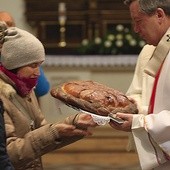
column 150, row 6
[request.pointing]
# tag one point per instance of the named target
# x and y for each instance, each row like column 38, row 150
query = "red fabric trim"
column 152, row 99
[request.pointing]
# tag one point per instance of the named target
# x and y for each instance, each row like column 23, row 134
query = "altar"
column 102, row 61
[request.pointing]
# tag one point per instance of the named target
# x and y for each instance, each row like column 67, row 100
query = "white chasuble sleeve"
column 150, row 154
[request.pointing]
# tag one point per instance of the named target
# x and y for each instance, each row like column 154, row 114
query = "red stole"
column 152, row 99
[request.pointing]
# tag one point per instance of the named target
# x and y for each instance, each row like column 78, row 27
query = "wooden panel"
column 85, row 19
column 52, row 5
column 50, row 33
column 111, row 161
column 106, row 148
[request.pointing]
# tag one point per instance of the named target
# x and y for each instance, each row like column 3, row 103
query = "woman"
column 43, row 85
column 29, row 136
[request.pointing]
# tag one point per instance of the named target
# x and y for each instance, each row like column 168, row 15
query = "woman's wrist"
column 74, row 121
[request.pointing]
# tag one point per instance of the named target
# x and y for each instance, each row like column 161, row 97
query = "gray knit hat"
column 19, row 48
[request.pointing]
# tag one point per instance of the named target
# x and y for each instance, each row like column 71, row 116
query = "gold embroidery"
column 168, row 36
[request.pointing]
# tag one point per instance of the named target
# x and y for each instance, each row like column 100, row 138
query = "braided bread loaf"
column 93, row 97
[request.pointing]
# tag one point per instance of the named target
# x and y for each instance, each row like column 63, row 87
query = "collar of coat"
column 6, row 89
column 159, row 55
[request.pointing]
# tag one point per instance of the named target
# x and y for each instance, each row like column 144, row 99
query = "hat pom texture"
column 19, row 48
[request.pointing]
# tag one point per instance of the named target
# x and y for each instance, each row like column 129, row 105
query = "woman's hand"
column 83, row 121
column 126, row 126
column 81, row 124
column 65, row 130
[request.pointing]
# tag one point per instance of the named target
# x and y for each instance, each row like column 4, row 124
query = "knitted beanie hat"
column 19, row 48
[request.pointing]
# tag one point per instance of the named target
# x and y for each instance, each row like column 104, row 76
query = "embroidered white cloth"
column 90, row 60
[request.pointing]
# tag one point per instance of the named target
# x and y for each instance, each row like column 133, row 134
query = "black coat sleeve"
column 5, row 163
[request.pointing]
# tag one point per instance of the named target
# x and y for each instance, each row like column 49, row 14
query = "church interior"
column 83, row 40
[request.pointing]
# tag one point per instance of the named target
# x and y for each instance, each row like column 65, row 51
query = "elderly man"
column 150, row 128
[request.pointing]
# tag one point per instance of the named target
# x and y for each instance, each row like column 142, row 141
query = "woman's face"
column 29, row 71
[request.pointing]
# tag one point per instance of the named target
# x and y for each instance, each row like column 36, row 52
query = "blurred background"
column 84, row 40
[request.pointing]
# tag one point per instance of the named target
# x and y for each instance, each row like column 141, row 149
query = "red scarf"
column 23, row 85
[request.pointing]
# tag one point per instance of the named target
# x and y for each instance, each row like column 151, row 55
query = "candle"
column 62, row 13
column 62, row 22
column 62, row 7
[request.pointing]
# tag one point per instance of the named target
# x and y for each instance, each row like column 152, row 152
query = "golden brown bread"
column 94, row 97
